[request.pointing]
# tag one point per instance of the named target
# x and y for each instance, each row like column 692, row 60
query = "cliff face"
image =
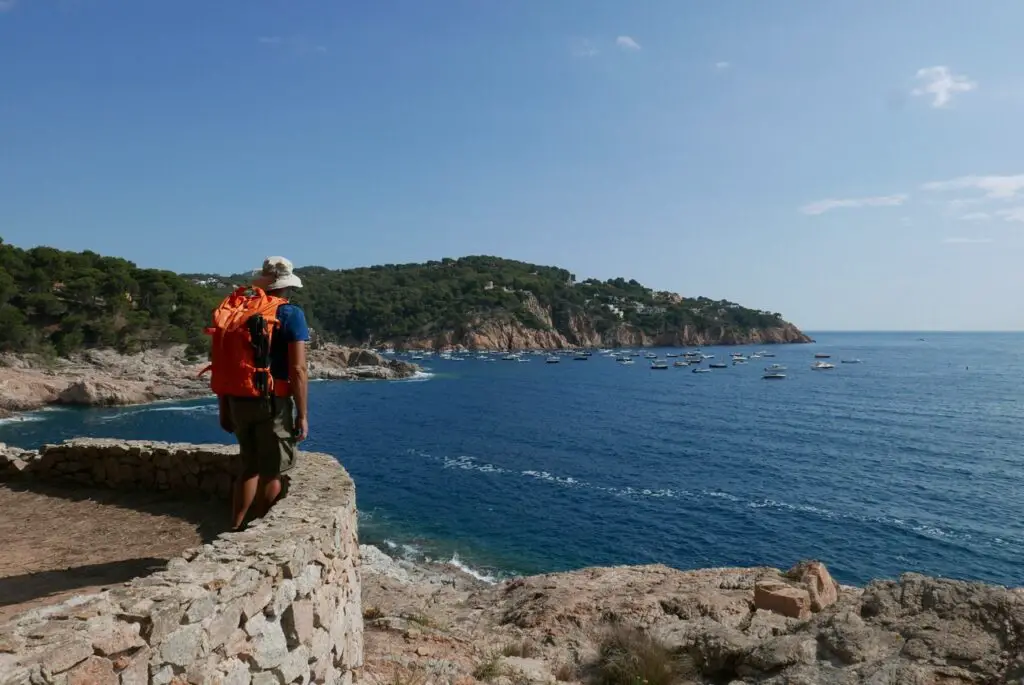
column 512, row 334
column 578, row 330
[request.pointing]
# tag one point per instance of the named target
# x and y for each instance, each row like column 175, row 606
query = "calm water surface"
column 909, row 461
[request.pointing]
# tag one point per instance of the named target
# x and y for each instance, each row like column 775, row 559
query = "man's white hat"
column 277, row 273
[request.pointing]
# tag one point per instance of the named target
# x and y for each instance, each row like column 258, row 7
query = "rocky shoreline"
column 513, row 335
column 433, row 623
column 103, row 377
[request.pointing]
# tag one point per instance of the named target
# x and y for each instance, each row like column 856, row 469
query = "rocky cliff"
column 512, row 334
column 579, row 330
column 106, row 378
column 662, row 626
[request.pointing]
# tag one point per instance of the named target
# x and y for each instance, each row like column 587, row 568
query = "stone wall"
column 276, row 603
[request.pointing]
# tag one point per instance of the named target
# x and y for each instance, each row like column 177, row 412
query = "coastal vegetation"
column 58, row 302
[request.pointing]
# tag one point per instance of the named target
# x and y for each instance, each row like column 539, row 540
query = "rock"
column 65, row 654
column 182, row 646
column 782, row 599
column 815, row 577
column 268, row 646
column 111, row 637
column 528, row 670
column 93, row 671
column 297, row 622
column 294, row 666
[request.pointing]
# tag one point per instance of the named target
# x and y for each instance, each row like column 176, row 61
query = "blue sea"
column 910, row 461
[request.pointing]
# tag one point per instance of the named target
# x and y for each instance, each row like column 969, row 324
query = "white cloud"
column 966, row 241
column 627, row 43
column 976, row 216
column 583, row 48
column 822, row 206
column 1015, row 214
column 993, row 187
column 722, row 66
column 940, row 83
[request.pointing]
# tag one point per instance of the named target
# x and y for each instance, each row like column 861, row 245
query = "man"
column 268, row 429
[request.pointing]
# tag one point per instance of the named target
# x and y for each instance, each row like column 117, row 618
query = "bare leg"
column 242, row 498
column 269, row 490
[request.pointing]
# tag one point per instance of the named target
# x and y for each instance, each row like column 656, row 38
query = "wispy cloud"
column 1015, row 214
column 976, row 216
column 940, row 84
column 966, row 241
column 297, row 44
column 722, row 66
column 992, row 187
column 7, row 5
column 627, row 43
column 822, row 206
column 583, row 47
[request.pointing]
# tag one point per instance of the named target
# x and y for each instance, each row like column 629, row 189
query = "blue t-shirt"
column 291, row 328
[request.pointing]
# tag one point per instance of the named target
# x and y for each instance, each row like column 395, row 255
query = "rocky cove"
column 103, row 377
column 662, row 626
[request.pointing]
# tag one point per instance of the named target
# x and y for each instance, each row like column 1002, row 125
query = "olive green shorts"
column 265, row 429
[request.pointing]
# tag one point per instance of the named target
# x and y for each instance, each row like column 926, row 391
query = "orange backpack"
column 243, row 327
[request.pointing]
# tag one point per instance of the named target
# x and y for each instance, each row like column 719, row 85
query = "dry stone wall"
column 278, row 603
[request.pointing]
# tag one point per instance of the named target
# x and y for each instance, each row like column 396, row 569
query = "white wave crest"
column 468, row 570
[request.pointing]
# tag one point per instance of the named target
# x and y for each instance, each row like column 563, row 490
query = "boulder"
column 814, row 576
column 782, row 599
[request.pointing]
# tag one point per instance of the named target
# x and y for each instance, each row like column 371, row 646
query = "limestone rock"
column 95, row 670
column 819, row 584
column 782, row 599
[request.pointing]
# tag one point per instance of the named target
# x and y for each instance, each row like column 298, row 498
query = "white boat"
column 626, row 361
column 659, row 364
column 820, row 366
column 718, row 365
column 671, row 354
column 650, row 355
column 739, row 360
column 767, row 354
column 552, row 360
column 774, row 375
column 510, row 357
column 851, row 361
column 679, row 363
column 775, row 367
column 416, row 357
column 581, row 357
column 821, row 355
column 700, row 370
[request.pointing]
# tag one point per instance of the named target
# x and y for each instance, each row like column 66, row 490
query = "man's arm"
column 298, row 377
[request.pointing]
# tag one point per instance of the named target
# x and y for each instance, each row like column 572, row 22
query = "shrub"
column 628, row 656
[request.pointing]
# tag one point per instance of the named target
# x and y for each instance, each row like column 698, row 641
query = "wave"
column 468, row 570
column 22, row 418
column 929, row 530
column 191, row 409
column 417, row 377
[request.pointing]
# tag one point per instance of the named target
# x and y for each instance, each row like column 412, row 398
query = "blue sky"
column 851, row 164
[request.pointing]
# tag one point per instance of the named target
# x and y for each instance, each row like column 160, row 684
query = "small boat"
column 416, row 357
column 767, row 354
column 523, row 361
column 851, row 361
column 821, row 355
column 739, row 360
column 580, row 357
column 510, row 357
column 679, row 363
column 634, row 354
column 552, row 360
column 700, row 370
column 718, row 365
column 650, row 355
column 626, row 361
column 659, row 364
column 671, row 354
column 775, row 367
column 774, row 375
column 819, row 366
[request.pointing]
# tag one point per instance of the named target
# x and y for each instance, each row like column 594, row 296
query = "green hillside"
column 55, row 301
